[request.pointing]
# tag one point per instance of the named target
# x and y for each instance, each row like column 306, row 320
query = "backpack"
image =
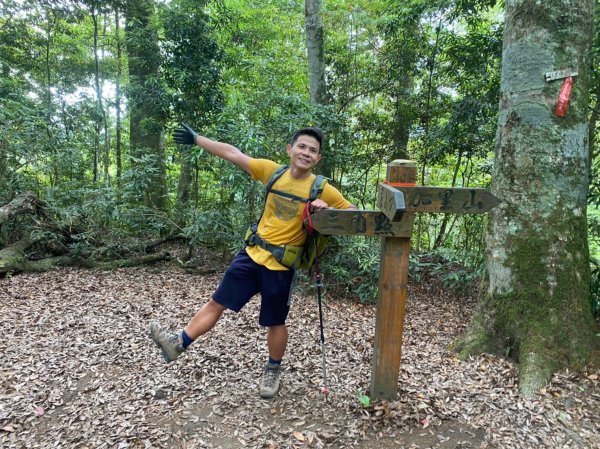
column 293, row 256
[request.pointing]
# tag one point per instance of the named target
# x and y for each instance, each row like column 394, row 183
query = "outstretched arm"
column 187, row 136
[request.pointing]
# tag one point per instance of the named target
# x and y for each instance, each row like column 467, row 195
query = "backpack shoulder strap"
column 317, row 187
column 278, row 173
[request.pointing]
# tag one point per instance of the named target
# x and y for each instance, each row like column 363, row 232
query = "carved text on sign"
column 360, row 222
column 448, row 200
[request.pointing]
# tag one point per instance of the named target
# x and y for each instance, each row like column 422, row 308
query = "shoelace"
column 271, row 376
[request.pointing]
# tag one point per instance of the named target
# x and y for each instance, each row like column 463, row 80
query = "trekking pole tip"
column 325, row 391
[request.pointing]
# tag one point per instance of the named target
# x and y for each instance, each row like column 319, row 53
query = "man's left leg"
column 277, row 337
column 275, row 306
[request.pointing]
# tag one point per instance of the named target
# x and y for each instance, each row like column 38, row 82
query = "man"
column 255, row 269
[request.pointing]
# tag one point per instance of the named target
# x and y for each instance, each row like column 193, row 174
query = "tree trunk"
column 441, row 237
column 315, row 45
column 185, row 184
column 118, row 97
column 403, row 118
column 146, row 122
column 315, row 49
column 534, row 303
column 99, row 108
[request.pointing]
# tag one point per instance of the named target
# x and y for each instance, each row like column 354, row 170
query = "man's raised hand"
column 185, row 135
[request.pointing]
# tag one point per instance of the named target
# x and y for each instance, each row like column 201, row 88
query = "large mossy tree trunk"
column 534, row 303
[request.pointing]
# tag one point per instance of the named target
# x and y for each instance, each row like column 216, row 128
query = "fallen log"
column 24, row 203
column 13, row 258
column 18, row 256
column 14, row 261
column 68, row 261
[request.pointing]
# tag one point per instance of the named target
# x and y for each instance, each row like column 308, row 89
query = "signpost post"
column 398, row 199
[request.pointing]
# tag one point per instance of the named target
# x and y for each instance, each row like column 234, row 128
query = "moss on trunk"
column 544, row 320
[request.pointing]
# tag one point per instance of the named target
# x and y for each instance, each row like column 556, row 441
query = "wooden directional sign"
column 441, row 199
column 390, row 201
column 393, row 222
column 360, row 222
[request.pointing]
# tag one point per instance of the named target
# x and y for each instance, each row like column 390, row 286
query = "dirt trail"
column 78, row 370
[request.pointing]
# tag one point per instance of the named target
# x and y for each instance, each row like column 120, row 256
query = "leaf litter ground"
column 79, row 371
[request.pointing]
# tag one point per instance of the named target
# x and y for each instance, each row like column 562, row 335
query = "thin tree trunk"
column 99, row 108
column 146, row 121
column 426, row 121
column 441, row 237
column 403, row 118
column 315, row 46
column 48, row 98
column 118, row 125
column 105, row 116
column 184, row 187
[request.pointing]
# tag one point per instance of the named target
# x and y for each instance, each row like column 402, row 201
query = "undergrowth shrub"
column 215, row 229
column 595, row 286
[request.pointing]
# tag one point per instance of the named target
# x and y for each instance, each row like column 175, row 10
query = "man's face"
column 304, row 154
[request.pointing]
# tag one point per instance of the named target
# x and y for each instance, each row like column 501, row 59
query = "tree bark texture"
column 146, row 116
column 534, row 303
column 26, row 202
column 315, row 48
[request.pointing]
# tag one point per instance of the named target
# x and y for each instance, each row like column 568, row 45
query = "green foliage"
column 458, row 270
column 213, row 229
column 353, row 263
column 595, row 286
column 415, row 79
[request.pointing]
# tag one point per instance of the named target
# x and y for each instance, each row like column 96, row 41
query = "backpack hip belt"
column 287, row 255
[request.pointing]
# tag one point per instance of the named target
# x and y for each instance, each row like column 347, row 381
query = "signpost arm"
column 391, row 299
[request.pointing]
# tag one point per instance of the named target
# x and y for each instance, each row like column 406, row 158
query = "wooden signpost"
column 398, row 199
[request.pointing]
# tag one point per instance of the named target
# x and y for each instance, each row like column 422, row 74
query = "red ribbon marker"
column 563, row 97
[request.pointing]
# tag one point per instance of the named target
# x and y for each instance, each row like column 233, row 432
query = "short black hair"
column 312, row 131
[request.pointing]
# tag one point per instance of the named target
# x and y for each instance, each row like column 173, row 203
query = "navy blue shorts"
column 245, row 278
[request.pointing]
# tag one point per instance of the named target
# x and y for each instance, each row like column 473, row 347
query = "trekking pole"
column 320, row 285
column 325, row 387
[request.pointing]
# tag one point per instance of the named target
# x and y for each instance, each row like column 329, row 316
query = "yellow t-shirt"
column 281, row 222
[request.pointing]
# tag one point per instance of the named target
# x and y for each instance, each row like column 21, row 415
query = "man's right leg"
column 238, row 285
column 172, row 345
column 205, row 319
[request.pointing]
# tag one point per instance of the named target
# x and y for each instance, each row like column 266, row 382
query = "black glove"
column 185, row 135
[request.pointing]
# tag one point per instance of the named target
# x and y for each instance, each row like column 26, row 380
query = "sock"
column 274, row 362
column 187, row 340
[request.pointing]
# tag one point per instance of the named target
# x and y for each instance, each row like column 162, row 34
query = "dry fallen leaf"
column 89, row 365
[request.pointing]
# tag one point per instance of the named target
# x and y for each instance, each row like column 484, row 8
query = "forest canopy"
column 90, row 92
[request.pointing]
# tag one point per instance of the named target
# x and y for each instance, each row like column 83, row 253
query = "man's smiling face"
column 305, row 153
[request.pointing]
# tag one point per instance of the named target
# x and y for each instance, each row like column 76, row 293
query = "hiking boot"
column 169, row 343
column 270, row 382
